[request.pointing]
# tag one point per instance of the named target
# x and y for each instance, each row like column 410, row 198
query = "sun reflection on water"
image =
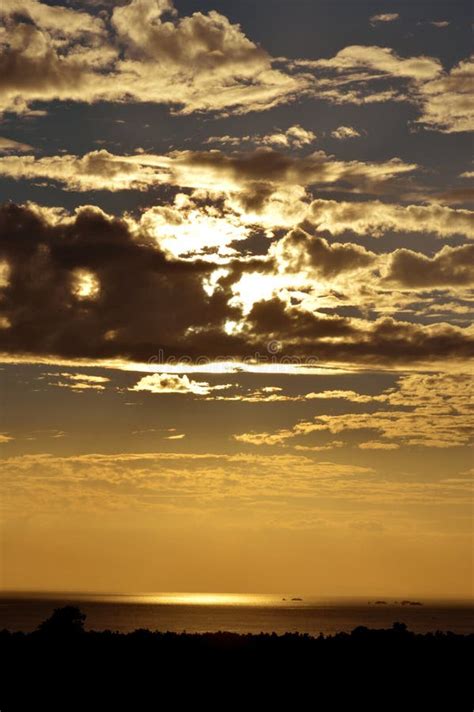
column 204, row 599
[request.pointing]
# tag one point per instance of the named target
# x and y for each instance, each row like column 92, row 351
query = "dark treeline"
column 60, row 666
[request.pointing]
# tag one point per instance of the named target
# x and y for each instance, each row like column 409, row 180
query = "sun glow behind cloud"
column 85, row 284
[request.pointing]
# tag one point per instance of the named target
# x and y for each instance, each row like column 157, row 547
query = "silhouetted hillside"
column 60, row 666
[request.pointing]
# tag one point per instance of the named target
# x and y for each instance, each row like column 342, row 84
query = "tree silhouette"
column 65, row 621
column 62, row 667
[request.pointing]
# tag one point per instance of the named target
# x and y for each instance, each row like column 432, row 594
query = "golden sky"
column 236, row 270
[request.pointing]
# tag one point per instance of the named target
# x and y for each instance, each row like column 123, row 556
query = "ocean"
column 240, row 613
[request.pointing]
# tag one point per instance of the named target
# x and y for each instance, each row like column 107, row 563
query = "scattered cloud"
column 294, row 137
column 142, row 480
column 375, row 218
column 448, row 100
column 431, row 410
column 384, row 17
column 77, row 382
column 261, row 169
column 367, row 63
column 440, row 24
column 8, row 145
column 363, row 74
column 378, row 445
column 94, row 171
column 142, row 51
column 342, row 133
column 334, row 444
column 159, row 383
column 297, row 490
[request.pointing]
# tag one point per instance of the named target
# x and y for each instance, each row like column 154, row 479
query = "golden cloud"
column 437, row 414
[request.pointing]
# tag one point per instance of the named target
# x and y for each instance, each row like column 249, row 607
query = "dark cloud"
column 298, row 251
column 94, row 286
column 354, row 341
column 451, row 266
column 88, row 287
column 292, row 326
column 266, row 166
column 456, row 196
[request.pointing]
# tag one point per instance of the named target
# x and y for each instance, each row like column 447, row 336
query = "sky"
column 236, row 270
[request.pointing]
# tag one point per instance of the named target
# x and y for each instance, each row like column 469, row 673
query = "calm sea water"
column 235, row 612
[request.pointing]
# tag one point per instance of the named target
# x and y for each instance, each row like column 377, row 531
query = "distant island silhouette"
column 395, row 603
column 63, row 666
column 411, row 603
